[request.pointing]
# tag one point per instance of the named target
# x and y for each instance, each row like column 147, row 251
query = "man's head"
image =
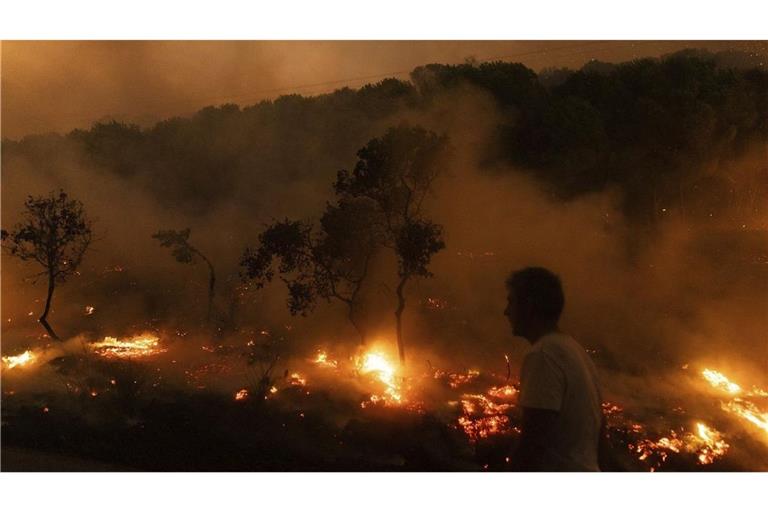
column 534, row 302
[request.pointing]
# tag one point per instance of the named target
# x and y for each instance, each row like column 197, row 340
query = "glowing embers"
column 297, row 380
column 144, row 345
column 480, row 428
column 376, row 365
column 435, row 303
column 713, row 444
column 706, row 443
column 24, row 359
column 481, row 417
column 321, row 359
column 738, row 405
column 507, row 391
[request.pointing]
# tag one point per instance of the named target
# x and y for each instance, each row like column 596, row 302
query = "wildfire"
column 24, row 359
column 714, row 445
column 706, row 443
column 459, row 379
column 375, row 363
column 718, row 380
column 241, row 394
column 748, row 411
column 481, row 428
column 297, row 380
column 507, row 391
column 744, row 409
column 89, row 310
column 481, row 417
column 322, row 360
column 139, row 346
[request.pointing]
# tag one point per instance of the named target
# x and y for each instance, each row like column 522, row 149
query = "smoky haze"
column 62, row 85
column 643, row 297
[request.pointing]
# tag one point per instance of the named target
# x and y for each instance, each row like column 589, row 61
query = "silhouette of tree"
column 651, row 129
column 55, row 233
column 184, row 252
column 329, row 262
column 396, row 172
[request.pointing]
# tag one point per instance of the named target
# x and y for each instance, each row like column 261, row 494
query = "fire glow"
column 482, row 417
column 739, row 406
column 376, row 364
column 322, row 360
column 720, row 381
column 24, row 359
column 706, row 443
column 137, row 347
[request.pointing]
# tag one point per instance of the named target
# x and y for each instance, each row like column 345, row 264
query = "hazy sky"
column 61, row 85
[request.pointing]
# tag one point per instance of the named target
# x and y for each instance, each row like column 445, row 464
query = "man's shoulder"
column 555, row 341
column 559, row 346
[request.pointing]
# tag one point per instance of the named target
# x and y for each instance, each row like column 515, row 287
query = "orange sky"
column 61, row 85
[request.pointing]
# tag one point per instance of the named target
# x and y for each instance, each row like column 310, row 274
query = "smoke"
column 62, row 85
column 643, row 301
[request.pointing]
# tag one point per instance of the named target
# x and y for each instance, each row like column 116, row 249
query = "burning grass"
column 739, row 405
column 25, row 359
column 706, row 443
column 372, row 389
column 141, row 346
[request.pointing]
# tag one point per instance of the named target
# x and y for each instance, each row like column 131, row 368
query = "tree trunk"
column 399, row 318
column 211, row 290
column 44, row 317
column 358, row 325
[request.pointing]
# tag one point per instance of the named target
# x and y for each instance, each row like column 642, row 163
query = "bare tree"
column 55, row 233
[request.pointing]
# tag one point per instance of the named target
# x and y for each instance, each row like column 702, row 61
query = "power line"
column 260, row 94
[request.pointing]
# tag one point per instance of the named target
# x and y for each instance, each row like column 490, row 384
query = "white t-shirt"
column 557, row 374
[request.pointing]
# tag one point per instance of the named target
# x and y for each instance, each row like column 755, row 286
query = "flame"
column 25, row 358
column 706, row 443
column 718, row 380
column 742, row 408
column 375, row 363
column 241, row 394
column 297, row 380
column 748, row 411
column 714, row 444
column 322, row 360
column 139, row 346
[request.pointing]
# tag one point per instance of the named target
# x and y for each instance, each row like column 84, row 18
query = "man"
column 559, row 394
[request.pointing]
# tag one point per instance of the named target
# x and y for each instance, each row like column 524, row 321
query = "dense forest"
column 666, row 132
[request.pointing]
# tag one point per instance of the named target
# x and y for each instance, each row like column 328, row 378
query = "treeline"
column 664, row 131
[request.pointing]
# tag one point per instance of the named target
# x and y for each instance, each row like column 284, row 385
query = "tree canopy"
column 646, row 127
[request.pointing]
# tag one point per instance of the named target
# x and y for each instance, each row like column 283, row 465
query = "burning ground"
column 150, row 402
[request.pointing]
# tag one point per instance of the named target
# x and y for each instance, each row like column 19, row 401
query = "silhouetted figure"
column 559, row 394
